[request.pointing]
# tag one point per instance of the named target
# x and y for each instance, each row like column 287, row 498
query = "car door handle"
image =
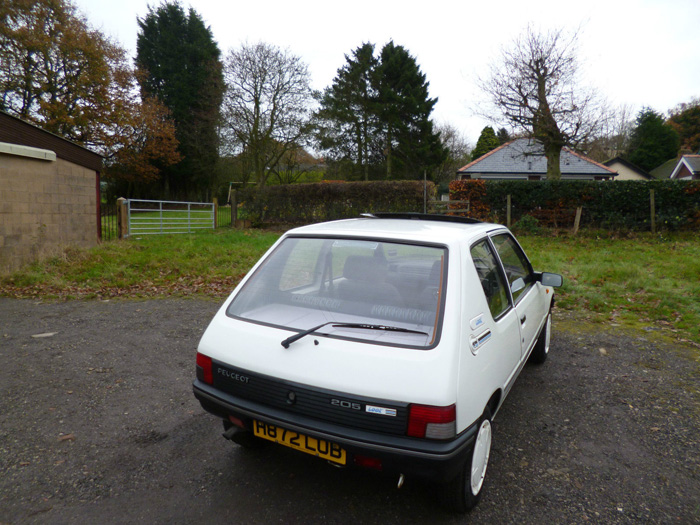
column 523, row 319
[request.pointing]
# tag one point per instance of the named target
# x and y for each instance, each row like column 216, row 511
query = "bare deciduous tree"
column 458, row 152
column 534, row 87
column 614, row 135
column 266, row 105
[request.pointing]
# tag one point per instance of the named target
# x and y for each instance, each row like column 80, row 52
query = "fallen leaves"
column 216, row 287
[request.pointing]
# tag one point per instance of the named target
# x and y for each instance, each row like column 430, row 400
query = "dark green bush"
column 618, row 205
column 325, row 201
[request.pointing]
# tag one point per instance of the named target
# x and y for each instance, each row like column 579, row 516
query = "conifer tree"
column 376, row 115
column 653, row 141
column 404, row 107
column 180, row 65
column 487, row 141
column 348, row 120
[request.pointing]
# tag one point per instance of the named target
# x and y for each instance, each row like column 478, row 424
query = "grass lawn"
column 205, row 263
column 642, row 281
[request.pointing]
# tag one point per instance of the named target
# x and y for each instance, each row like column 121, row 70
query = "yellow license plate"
column 316, row 447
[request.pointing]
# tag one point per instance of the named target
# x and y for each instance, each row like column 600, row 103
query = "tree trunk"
column 388, row 153
column 553, row 154
column 365, row 150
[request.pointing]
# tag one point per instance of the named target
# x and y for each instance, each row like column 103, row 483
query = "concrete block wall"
column 44, row 207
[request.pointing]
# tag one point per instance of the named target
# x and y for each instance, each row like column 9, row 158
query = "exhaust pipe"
column 244, row 438
column 228, row 434
column 401, row 480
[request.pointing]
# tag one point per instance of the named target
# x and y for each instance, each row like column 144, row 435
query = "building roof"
column 629, row 165
column 664, row 171
column 526, row 157
column 16, row 131
column 691, row 162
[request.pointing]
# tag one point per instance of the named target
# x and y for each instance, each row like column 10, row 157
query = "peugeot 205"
column 386, row 342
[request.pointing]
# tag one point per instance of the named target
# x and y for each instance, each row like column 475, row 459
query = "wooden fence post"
column 652, row 206
column 234, row 208
column 577, row 220
column 122, row 219
column 216, row 213
column 508, row 211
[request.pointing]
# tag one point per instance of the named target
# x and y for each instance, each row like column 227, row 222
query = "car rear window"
column 306, row 282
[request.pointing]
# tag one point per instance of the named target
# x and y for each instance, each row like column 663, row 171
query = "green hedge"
column 609, row 205
column 325, row 201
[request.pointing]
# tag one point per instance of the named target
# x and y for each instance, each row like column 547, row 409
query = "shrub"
column 619, row 205
column 324, row 201
column 527, row 224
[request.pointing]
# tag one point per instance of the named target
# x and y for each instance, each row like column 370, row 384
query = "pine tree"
column 487, row 141
column 348, row 111
column 653, row 141
column 410, row 142
column 180, row 65
column 376, row 115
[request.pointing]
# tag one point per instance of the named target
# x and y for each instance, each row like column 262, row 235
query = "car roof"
column 412, row 227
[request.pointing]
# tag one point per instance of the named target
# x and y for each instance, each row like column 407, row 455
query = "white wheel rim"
column 548, row 334
column 480, row 457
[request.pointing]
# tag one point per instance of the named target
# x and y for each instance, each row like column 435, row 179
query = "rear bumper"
column 419, row 458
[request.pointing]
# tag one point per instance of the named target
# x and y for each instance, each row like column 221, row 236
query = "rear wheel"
column 541, row 349
column 464, row 491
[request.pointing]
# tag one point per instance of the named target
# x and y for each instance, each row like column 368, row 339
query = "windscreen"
column 395, row 289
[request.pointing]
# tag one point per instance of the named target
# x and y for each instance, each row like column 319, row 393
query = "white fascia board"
column 26, row 151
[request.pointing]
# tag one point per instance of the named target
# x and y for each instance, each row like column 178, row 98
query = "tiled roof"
column 693, row 161
column 524, row 156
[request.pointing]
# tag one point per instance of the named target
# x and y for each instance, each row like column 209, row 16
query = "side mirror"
column 517, row 285
column 551, row 279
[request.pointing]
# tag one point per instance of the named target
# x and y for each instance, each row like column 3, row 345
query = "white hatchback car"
column 387, row 342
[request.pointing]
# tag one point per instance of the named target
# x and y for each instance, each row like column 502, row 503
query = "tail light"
column 204, row 369
column 432, row 422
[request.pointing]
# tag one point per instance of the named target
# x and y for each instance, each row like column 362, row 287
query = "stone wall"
column 45, row 206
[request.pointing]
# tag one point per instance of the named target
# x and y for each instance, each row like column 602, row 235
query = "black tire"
column 541, row 349
column 463, row 492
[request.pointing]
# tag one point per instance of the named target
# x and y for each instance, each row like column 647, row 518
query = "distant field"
column 643, row 281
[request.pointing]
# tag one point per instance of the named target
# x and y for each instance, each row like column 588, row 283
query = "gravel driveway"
column 98, row 422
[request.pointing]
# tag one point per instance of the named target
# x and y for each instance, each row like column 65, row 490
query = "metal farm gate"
column 147, row 217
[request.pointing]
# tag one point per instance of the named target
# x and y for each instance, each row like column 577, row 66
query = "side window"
column 515, row 264
column 490, row 277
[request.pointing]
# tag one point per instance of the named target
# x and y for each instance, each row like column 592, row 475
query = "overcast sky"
column 635, row 52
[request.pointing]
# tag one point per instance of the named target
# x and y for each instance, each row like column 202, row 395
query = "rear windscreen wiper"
column 363, row 326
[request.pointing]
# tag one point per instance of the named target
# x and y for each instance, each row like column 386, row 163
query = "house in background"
column 626, row 170
column 687, row 168
column 524, row 159
column 49, row 194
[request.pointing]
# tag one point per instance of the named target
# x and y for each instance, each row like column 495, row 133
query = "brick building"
column 49, row 194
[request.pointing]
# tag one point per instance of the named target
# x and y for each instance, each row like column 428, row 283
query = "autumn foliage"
column 69, row 79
